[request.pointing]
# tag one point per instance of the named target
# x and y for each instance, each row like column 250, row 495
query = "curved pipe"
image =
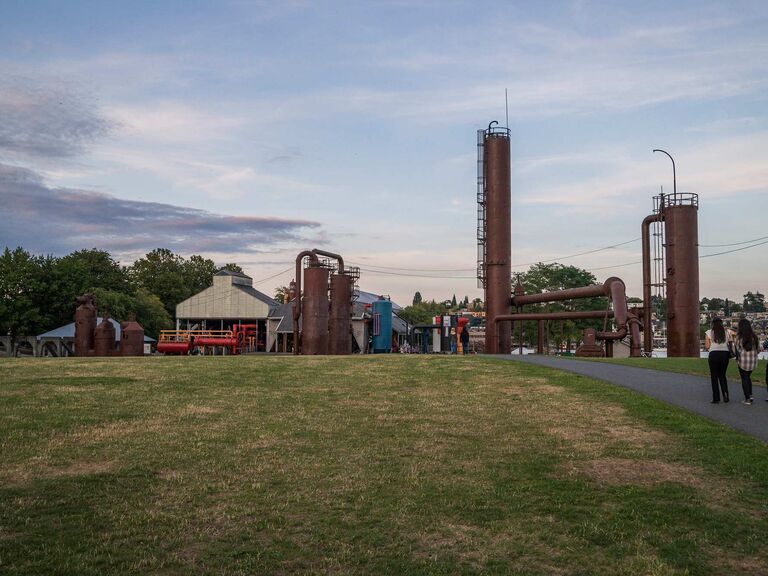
column 331, row 255
column 646, row 241
column 297, row 297
column 613, row 287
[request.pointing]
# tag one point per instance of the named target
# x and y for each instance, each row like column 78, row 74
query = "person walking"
column 716, row 343
column 747, row 348
column 465, row 339
column 453, row 340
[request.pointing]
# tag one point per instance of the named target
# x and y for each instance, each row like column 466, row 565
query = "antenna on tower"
column 506, row 106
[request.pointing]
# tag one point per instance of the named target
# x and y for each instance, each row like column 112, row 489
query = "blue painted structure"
column 382, row 326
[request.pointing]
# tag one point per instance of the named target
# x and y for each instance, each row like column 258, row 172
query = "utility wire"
column 406, row 272
column 735, row 249
column 733, row 244
column 273, row 276
column 557, row 259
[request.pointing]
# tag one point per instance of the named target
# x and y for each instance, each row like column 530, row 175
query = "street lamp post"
column 674, row 176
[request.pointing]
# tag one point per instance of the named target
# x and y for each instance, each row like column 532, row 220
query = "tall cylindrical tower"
column 314, row 330
column 340, row 321
column 496, row 265
column 681, row 232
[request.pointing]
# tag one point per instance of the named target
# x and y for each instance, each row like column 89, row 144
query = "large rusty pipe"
column 297, row 297
column 646, row 242
column 558, row 295
column 577, row 315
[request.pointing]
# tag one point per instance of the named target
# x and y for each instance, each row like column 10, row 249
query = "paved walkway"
column 685, row 391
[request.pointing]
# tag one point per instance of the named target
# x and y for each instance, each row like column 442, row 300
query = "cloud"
column 58, row 220
column 46, row 121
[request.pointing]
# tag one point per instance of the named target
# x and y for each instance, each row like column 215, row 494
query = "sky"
column 247, row 131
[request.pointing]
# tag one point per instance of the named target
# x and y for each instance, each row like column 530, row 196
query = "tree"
column 281, row 292
column 232, row 267
column 417, row 298
column 23, row 293
column 422, row 313
column 754, row 302
column 453, row 302
column 80, row 272
column 477, row 305
column 198, row 273
column 161, row 272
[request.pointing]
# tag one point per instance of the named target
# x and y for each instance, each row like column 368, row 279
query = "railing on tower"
column 481, row 208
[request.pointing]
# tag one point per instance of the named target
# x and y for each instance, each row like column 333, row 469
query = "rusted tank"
column 681, row 231
column 104, row 338
column 314, row 311
column 340, row 320
column 498, row 236
column 131, row 338
column 85, row 324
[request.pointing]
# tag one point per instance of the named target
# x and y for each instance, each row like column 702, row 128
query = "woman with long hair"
column 747, row 349
column 716, row 343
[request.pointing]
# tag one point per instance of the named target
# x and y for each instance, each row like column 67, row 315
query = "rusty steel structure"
column 340, row 316
column 626, row 322
column 93, row 340
column 679, row 214
column 322, row 324
column 494, row 233
column 104, row 338
column 85, row 325
column 131, row 338
column 314, row 332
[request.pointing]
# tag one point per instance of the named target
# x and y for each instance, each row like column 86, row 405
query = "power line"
column 733, row 244
column 273, row 276
column 578, row 254
column 735, row 249
column 514, row 265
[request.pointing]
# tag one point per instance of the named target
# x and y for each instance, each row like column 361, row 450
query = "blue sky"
column 247, row 131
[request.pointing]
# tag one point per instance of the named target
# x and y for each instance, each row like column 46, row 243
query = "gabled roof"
column 251, row 291
column 68, row 331
column 370, row 298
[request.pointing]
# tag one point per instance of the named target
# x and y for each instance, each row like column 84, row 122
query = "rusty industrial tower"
column 494, row 234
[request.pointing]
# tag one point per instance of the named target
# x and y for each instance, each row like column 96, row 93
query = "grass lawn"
column 696, row 366
column 364, row 465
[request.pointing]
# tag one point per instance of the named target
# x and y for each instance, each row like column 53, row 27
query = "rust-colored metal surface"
column 646, row 241
column 626, row 321
column 589, row 347
column 682, row 257
column 104, row 338
column 314, row 311
column 559, row 295
column 131, row 339
column 340, row 320
column 296, row 293
column 85, row 324
column 498, row 235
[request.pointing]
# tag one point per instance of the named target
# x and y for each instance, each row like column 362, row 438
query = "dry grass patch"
column 22, row 475
column 192, row 410
column 623, row 471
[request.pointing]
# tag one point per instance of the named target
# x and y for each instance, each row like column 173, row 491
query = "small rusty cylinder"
column 131, row 339
column 104, row 339
column 314, row 315
column 340, row 320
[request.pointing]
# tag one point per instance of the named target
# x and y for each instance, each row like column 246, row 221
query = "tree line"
column 37, row 292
